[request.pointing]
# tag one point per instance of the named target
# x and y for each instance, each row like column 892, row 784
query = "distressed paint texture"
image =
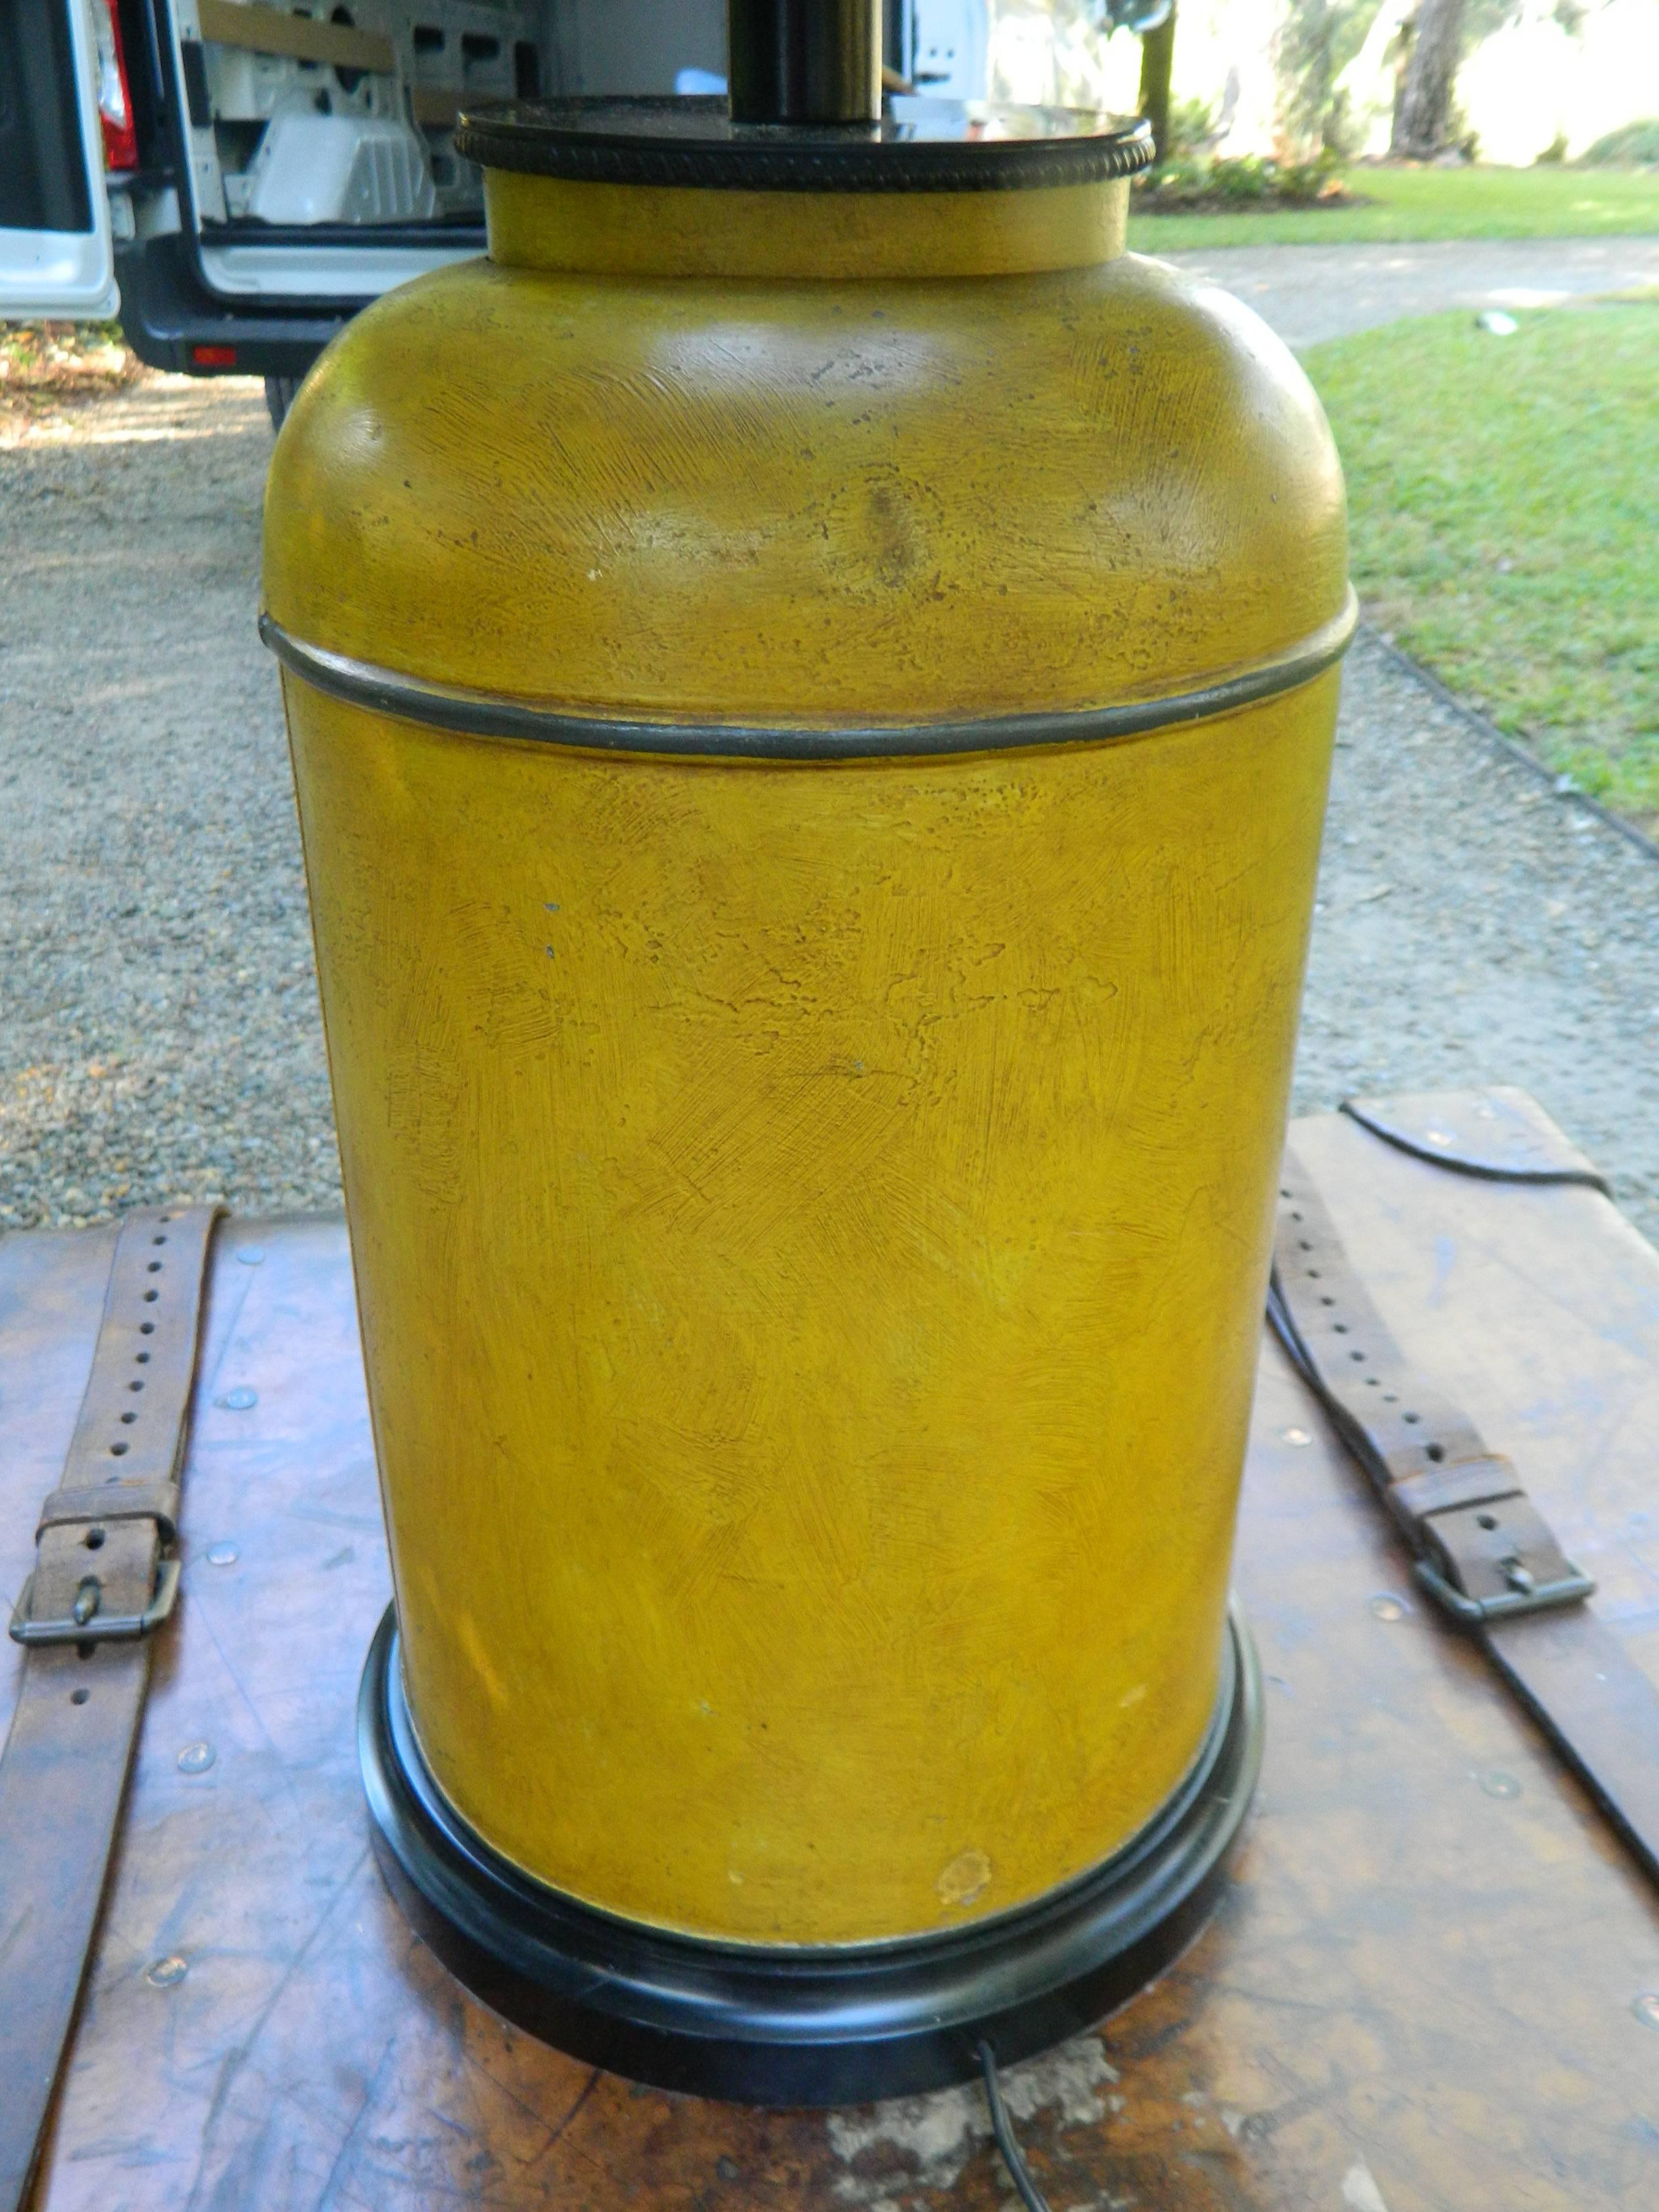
column 810, row 1221
column 811, row 1315
column 808, row 502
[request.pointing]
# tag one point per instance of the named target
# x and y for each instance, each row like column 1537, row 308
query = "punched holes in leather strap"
column 102, row 1581
column 1490, row 1562
column 99, row 1567
column 1422, row 1452
column 1484, row 1548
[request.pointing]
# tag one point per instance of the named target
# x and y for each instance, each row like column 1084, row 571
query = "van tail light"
column 114, row 100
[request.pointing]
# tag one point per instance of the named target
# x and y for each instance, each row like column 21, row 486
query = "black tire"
column 279, row 398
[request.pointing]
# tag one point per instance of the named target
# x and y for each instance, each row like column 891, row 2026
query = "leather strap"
column 102, row 1582
column 1485, row 1552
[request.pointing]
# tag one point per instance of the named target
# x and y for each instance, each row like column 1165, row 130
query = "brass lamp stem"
column 805, row 61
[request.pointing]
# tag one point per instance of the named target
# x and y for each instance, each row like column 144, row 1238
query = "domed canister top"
column 805, row 438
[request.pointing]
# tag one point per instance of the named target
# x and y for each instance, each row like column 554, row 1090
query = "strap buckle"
column 86, row 1623
column 1567, row 1590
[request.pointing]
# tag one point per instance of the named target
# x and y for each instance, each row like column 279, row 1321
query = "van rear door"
column 56, row 254
column 315, row 154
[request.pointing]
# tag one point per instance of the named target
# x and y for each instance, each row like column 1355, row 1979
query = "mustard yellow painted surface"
column 810, row 1221
column 824, row 502
column 811, row 1227
column 633, row 230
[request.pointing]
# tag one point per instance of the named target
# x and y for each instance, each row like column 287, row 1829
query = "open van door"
column 56, row 254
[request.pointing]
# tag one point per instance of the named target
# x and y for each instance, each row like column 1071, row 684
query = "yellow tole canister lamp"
column 810, row 674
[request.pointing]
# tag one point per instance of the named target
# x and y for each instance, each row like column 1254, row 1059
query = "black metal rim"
column 756, row 2025
column 919, row 146
column 487, row 714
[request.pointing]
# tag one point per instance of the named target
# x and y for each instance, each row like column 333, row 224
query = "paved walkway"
column 1313, row 292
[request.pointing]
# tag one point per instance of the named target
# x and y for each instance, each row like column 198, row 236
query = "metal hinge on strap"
column 86, row 1623
column 1505, row 1542
column 1537, row 1597
column 92, row 1510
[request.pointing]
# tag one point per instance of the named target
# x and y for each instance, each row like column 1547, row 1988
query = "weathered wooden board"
column 1422, row 1993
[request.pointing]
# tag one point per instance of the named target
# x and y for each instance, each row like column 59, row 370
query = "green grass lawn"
column 1548, row 202
column 1504, row 493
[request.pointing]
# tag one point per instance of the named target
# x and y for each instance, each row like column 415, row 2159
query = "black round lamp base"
column 832, row 2025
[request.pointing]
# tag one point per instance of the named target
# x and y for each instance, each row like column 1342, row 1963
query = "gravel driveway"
column 159, row 1035
column 159, row 1032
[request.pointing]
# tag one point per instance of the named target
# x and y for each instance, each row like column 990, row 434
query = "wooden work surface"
column 1423, row 1992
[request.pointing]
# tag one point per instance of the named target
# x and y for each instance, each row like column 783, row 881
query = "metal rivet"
column 1387, row 1606
column 222, row 1555
column 197, row 1758
column 1646, row 2009
column 1499, row 1784
column 1296, row 1436
column 249, row 1254
column 238, row 1400
column 162, row 1973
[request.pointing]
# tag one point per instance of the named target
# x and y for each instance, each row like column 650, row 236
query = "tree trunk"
column 1156, row 59
column 1422, row 107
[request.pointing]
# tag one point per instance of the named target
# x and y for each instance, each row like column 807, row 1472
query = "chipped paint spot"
column 1359, row 2190
column 926, row 2142
column 967, row 1877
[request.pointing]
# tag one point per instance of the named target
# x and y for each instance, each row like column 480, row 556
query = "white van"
column 236, row 177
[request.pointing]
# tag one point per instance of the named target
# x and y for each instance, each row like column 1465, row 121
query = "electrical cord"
column 1007, row 2142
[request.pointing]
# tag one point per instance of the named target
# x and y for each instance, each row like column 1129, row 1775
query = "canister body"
column 810, row 1195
